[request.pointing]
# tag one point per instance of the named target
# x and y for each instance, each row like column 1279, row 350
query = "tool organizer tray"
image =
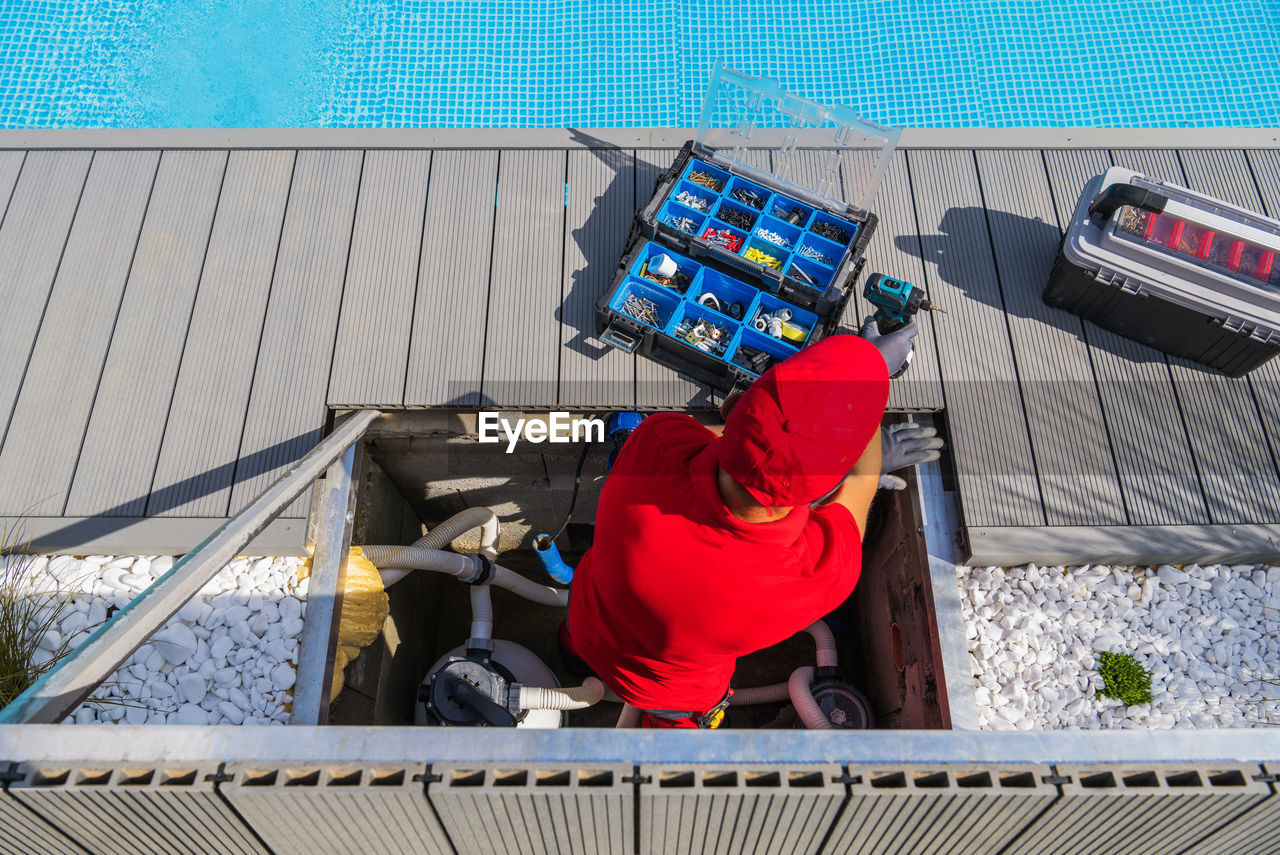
column 670, row 319
column 764, row 266
column 740, row 220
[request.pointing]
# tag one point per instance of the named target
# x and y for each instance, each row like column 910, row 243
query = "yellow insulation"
column 364, row 609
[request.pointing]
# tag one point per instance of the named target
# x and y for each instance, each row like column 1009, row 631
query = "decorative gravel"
column 227, row 657
column 1209, row 636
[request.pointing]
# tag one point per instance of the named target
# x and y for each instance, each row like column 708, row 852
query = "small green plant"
column 28, row 610
column 1124, row 679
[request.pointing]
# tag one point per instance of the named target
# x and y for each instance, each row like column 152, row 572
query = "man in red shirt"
column 706, row 545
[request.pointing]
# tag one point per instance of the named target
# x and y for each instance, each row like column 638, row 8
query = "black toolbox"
column 1182, row 272
column 763, row 266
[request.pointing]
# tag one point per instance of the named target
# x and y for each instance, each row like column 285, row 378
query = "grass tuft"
column 30, row 606
column 1124, row 679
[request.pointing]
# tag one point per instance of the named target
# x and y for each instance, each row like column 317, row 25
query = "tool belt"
column 708, row 720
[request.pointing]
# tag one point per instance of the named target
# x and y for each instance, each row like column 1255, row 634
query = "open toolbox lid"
column 740, row 111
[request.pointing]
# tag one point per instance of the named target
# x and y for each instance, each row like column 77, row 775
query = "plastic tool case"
column 752, row 239
column 1185, row 273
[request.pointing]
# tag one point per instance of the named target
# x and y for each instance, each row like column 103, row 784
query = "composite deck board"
column 657, row 386
column 1265, row 167
column 206, row 419
column 895, row 251
column 601, row 205
column 39, row 454
column 162, row 389
column 122, row 443
column 286, row 412
column 1230, row 176
column 1232, row 456
column 446, row 347
column 37, row 221
column 10, row 166
column 522, row 333
column 1144, row 422
column 1074, row 464
column 382, row 275
column 996, row 471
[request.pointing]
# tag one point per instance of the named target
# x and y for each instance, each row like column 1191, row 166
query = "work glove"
column 902, row 445
column 894, row 347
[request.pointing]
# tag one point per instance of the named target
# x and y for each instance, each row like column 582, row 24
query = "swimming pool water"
column 620, row 63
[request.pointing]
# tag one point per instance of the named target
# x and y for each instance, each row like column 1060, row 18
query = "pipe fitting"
column 549, row 555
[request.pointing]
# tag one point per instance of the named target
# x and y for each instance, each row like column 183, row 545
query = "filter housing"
column 1182, row 272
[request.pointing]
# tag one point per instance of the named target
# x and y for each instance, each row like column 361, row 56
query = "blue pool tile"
column 587, row 63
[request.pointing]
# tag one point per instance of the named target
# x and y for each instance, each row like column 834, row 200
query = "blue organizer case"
column 810, row 258
column 696, row 298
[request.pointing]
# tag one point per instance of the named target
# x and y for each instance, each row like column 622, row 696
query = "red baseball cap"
column 802, row 426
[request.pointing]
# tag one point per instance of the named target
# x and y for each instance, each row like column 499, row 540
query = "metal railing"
column 71, row 681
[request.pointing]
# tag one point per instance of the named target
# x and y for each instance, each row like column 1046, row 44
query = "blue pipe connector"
column 549, row 555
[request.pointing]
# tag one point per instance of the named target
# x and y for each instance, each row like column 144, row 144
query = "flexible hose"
column 394, row 558
column 538, row 698
column 801, row 696
column 444, row 534
column 396, row 562
column 760, row 695
column 481, row 613
column 459, row 524
column 824, row 640
column 630, row 717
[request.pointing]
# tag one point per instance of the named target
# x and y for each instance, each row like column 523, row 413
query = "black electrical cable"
column 577, row 483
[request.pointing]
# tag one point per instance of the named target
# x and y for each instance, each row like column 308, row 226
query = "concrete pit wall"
column 433, row 463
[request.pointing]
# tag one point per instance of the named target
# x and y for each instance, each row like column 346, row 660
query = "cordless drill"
column 896, row 304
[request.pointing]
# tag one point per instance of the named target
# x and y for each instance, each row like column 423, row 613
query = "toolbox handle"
column 620, row 339
column 1126, row 195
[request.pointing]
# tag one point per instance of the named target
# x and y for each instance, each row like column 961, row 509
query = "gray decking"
column 179, row 324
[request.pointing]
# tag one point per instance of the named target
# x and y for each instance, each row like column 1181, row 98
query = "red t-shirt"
column 675, row 588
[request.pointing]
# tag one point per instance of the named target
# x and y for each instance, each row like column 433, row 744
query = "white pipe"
column 826, row 643
column 530, row 590
column 630, row 717
column 481, row 613
column 538, row 698
column 390, row 559
column 801, row 696
column 760, row 695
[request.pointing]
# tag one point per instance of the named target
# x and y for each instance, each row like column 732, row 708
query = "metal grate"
column 1152, row 809
column 305, row 809
column 127, row 811
column 718, row 809
column 939, row 809
column 487, row 810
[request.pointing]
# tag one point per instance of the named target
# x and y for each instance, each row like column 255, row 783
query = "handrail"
column 68, row 683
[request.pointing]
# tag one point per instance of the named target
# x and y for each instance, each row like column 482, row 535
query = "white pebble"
column 193, row 687
column 220, row 647
column 282, row 677
column 190, row 714
column 176, row 643
column 231, row 712
column 51, row 640
column 290, row 609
